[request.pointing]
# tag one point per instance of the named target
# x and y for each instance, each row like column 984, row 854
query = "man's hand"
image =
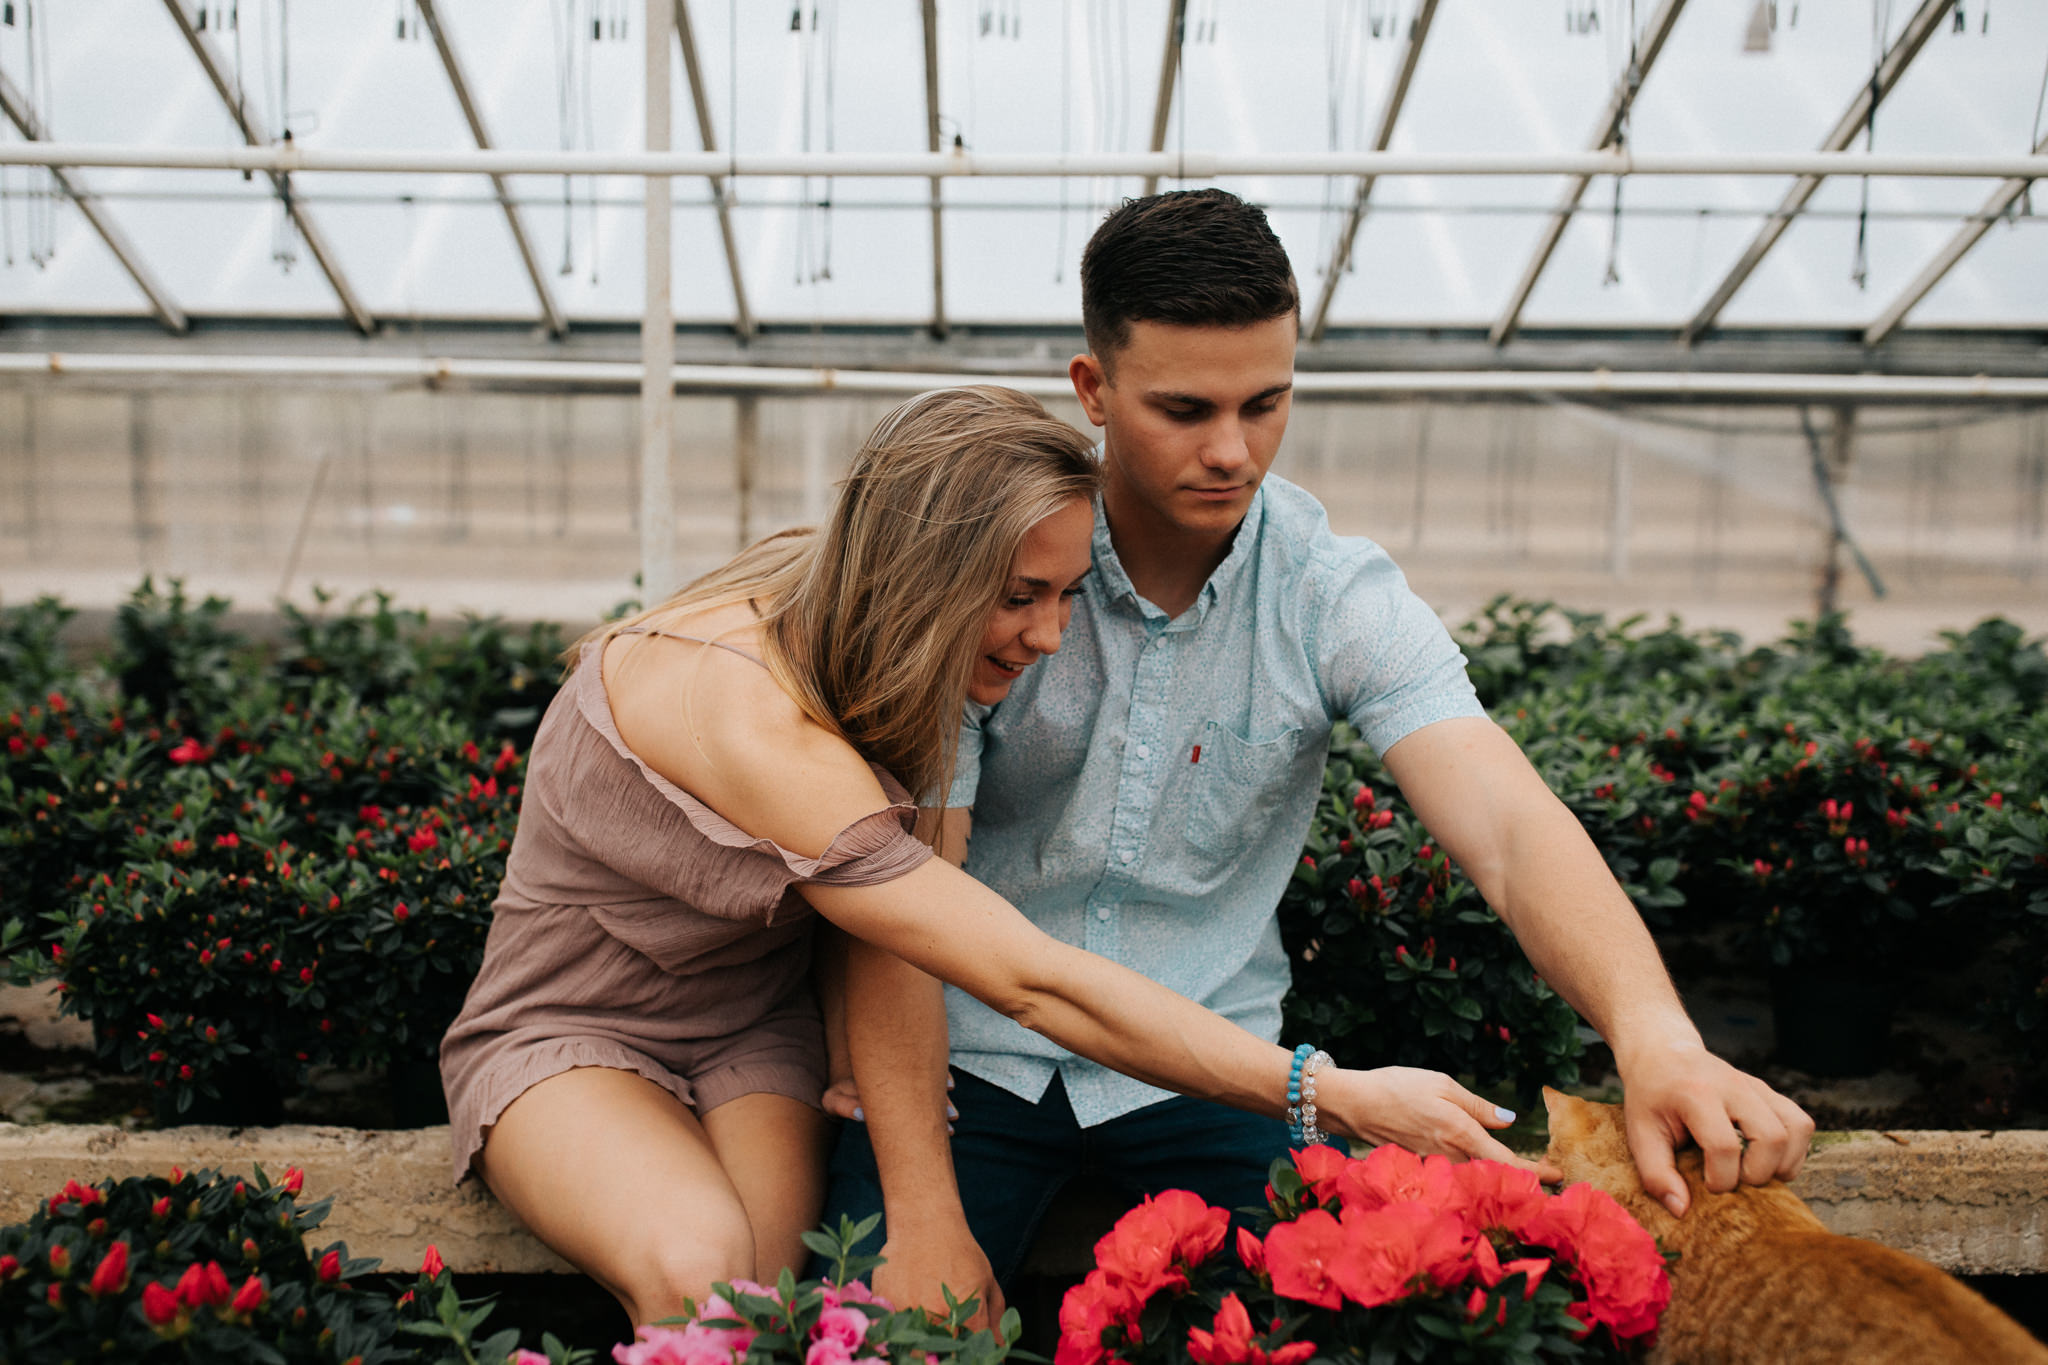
column 1745, row 1129
column 920, row 1258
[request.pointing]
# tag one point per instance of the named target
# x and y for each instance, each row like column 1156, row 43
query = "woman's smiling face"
column 1045, row 575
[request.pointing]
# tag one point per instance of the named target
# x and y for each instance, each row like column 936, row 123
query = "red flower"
column 1495, row 1195
column 400, row 913
column 191, row 751
column 200, row 1286
column 1380, row 819
column 161, row 1208
column 1299, row 1255
column 1613, row 1256
column 60, row 1260
column 421, row 841
column 1091, row 1308
column 1151, row 1246
column 249, row 1297
column 431, row 1264
column 159, row 1305
column 1389, row 1251
column 1319, row 1166
column 329, row 1268
column 111, row 1275
column 1251, row 1251
column 294, row 1180
column 1232, row 1342
column 55, row 1295
column 1395, row 1175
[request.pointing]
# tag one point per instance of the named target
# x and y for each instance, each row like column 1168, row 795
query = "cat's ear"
column 1555, row 1102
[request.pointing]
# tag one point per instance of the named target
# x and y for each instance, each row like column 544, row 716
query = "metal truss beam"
column 1169, row 74
column 1390, row 112
column 25, row 118
column 1605, row 133
column 238, row 110
column 743, row 316
column 1918, row 30
column 1945, row 260
column 930, row 10
column 557, row 325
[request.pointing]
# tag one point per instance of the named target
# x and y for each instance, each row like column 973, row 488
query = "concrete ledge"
column 1973, row 1203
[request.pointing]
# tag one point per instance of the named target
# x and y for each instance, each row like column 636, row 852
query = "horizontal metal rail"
column 294, row 158
column 624, row 377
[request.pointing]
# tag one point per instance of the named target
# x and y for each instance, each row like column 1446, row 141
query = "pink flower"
column 847, row 1326
column 828, row 1352
column 522, row 1356
column 1232, row 1342
column 191, row 751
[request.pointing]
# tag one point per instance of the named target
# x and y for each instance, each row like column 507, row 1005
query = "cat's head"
column 1589, row 1143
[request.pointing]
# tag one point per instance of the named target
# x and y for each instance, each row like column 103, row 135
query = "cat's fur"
column 1759, row 1281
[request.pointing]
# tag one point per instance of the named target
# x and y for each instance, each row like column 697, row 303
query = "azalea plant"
column 832, row 1320
column 208, row 1267
column 1387, row 1259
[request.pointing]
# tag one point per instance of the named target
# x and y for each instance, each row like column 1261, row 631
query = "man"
column 1144, row 794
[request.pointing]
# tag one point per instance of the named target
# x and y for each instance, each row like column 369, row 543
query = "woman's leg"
column 773, row 1150
column 621, row 1179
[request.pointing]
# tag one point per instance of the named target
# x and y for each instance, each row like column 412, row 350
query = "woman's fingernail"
column 860, row 1115
column 951, row 1112
column 1675, row 1204
column 949, row 1080
column 1503, row 1113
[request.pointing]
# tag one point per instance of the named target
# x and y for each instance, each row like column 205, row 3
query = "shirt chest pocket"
column 1238, row 783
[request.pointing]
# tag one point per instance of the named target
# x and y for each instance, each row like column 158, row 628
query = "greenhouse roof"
column 848, row 78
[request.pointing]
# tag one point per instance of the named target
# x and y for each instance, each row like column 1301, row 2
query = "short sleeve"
column 1385, row 660
column 967, row 760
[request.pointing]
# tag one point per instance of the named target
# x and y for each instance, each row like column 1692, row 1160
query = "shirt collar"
column 1116, row 584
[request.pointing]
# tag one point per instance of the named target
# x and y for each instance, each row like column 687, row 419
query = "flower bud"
column 111, row 1276
column 249, row 1297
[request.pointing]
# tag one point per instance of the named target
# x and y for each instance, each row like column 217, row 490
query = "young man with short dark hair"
column 1145, row 793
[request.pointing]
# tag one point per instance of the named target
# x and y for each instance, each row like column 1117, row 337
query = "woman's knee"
column 684, row 1265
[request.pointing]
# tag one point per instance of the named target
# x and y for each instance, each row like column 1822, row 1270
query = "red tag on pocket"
column 1197, row 757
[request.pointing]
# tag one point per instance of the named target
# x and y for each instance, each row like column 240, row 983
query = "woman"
column 637, row 1070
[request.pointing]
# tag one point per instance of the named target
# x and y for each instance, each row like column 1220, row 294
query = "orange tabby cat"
column 1759, row 1281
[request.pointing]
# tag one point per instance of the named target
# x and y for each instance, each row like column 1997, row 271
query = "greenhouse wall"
column 524, row 504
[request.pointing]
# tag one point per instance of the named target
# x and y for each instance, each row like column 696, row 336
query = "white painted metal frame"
column 686, row 38
column 657, row 332
column 930, row 11
column 1945, row 260
column 625, row 376
column 1605, row 131
column 557, row 325
column 282, row 158
column 1390, row 112
column 24, row 117
column 1893, row 65
column 238, row 109
column 1169, row 77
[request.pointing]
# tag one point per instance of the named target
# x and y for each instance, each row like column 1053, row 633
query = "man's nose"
column 1226, row 450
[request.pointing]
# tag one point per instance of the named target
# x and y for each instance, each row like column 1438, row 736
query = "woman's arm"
column 719, row 728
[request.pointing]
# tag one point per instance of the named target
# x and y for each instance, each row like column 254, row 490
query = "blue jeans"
column 1012, row 1157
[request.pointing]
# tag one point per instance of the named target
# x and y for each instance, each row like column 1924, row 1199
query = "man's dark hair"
column 1192, row 258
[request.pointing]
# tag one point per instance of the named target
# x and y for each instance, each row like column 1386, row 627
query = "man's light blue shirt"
column 1144, row 793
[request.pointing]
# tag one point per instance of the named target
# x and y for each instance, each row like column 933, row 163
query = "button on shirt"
column 1145, row 792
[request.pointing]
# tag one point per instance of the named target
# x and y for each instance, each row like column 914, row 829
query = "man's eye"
column 1261, row 409
column 1184, row 414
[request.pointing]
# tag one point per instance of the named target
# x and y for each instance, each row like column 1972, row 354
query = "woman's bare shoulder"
column 720, row 727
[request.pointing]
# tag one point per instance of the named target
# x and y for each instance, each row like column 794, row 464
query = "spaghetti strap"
column 695, row 640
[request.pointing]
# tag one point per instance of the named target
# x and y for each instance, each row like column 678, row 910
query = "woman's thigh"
column 618, row 1176
column 772, row 1149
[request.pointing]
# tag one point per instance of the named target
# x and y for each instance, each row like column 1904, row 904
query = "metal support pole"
column 1390, row 112
column 657, row 333
column 1605, row 132
column 24, row 117
column 557, row 325
column 1958, row 247
column 1169, row 73
column 1918, row 30
column 238, row 110
column 930, row 9
column 686, row 39
column 746, row 419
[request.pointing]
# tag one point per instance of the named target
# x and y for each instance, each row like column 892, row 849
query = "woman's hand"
column 1424, row 1111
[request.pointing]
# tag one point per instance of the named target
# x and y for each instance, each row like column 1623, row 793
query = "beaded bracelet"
column 1301, row 1094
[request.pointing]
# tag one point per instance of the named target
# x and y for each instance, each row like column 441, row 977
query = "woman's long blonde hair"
column 873, row 623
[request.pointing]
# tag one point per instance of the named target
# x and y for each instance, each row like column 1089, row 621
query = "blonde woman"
column 638, row 1068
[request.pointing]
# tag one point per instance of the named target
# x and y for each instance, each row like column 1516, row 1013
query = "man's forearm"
column 896, row 1033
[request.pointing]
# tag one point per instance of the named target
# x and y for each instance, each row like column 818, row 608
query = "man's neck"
column 1167, row 564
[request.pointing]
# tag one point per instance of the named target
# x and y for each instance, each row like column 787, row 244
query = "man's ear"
column 1089, row 379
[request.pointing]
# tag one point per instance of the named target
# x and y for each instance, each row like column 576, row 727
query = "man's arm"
column 896, row 1033
column 1533, row 862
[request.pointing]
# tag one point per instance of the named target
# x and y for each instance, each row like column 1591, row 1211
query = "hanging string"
column 1880, row 24
column 1632, row 82
column 1059, row 255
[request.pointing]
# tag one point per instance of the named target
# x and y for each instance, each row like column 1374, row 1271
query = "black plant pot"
column 1832, row 1021
column 417, row 1100
column 243, row 1102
